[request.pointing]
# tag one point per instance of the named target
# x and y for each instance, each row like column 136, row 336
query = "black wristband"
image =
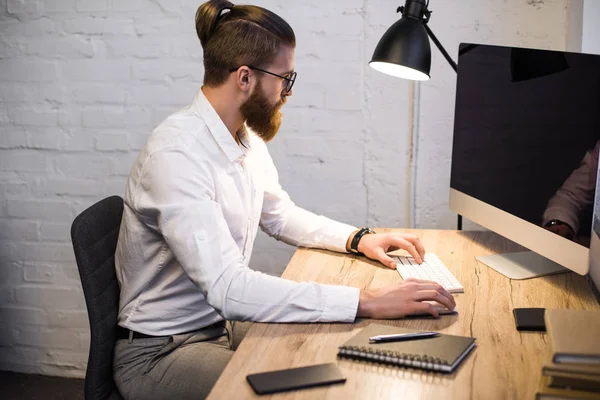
column 357, row 237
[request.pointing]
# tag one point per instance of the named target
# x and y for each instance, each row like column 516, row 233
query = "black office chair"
column 94, row 235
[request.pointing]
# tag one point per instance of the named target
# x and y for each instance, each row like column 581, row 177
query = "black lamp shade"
column 404, row 51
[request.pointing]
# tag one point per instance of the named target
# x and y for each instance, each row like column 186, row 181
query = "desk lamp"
column 404, row 50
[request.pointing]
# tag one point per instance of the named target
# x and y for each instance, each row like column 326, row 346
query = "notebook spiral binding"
column 390, row 357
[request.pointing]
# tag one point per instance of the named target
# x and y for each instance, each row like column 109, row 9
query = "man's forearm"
column 304, row 228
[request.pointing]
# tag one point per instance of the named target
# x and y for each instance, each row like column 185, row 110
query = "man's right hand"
column 399, row 300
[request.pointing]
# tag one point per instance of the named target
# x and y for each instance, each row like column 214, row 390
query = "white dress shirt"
column 193, row 204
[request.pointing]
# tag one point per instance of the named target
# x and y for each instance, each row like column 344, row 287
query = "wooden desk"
column 506, row 364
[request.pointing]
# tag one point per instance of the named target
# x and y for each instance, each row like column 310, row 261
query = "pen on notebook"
column 402, row 336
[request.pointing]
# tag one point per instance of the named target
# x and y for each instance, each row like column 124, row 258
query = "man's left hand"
column 375, row 246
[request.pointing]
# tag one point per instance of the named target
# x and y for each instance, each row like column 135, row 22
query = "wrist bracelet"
column 357, row 237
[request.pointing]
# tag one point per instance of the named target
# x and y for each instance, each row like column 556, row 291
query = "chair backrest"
column 94, row 234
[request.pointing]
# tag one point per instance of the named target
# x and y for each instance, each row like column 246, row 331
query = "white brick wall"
column 83, row 83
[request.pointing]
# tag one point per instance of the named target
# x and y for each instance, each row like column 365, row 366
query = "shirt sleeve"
column 576, row 193
column 283, row 220
column 176, row 193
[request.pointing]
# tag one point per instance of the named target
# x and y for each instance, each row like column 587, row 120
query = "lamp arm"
column 441, row 48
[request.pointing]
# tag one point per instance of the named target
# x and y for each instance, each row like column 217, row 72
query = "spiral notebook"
column 442, row 353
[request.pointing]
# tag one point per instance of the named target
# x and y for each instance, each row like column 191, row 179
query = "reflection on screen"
column 526, row 135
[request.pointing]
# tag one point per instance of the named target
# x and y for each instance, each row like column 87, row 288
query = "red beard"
column 262, row 117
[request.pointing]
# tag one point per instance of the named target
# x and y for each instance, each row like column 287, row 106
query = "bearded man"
column 196, row 195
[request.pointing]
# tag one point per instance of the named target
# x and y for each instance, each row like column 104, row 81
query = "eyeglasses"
column 290, row 79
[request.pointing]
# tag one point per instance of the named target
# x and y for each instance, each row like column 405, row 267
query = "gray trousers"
column 175, row 367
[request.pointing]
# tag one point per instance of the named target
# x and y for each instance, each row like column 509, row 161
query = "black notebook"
column 441, row 353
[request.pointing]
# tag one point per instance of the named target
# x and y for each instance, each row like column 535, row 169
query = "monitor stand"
column 522, row 265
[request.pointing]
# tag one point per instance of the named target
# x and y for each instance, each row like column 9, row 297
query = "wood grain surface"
column 506, row 363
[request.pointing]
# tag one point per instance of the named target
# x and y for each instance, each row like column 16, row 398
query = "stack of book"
column 574, row 371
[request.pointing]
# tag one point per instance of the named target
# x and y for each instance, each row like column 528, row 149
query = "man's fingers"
column 438, row 288
column 424, row 281
column 433, row 295
column 408, row 246
column 449, row 296
column 414, row 239
column 385, row 259
column 425, row 295
column 423, row 307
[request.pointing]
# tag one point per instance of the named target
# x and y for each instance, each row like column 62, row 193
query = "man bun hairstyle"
column 235, row 35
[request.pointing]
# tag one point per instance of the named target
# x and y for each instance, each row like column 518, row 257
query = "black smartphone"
column 530, row 319
column 295, row 378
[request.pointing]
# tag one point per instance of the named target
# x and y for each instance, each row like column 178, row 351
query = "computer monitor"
column 527, row 124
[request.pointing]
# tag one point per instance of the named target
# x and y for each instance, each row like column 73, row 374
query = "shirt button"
column 201, row 236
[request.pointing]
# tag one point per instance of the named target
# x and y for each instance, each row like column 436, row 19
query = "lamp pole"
column 419, row 9
column 404, row 50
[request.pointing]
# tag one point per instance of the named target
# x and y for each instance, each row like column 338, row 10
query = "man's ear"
column 243, row 78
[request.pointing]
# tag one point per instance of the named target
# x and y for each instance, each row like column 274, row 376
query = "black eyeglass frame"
column 290, row 80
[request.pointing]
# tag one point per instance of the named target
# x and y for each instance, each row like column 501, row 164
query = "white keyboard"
column 432, row 269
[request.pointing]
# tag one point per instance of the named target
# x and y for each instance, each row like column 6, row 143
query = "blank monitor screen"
column 527, row 124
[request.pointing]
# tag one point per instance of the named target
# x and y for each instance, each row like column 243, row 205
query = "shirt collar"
column 218, row 129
